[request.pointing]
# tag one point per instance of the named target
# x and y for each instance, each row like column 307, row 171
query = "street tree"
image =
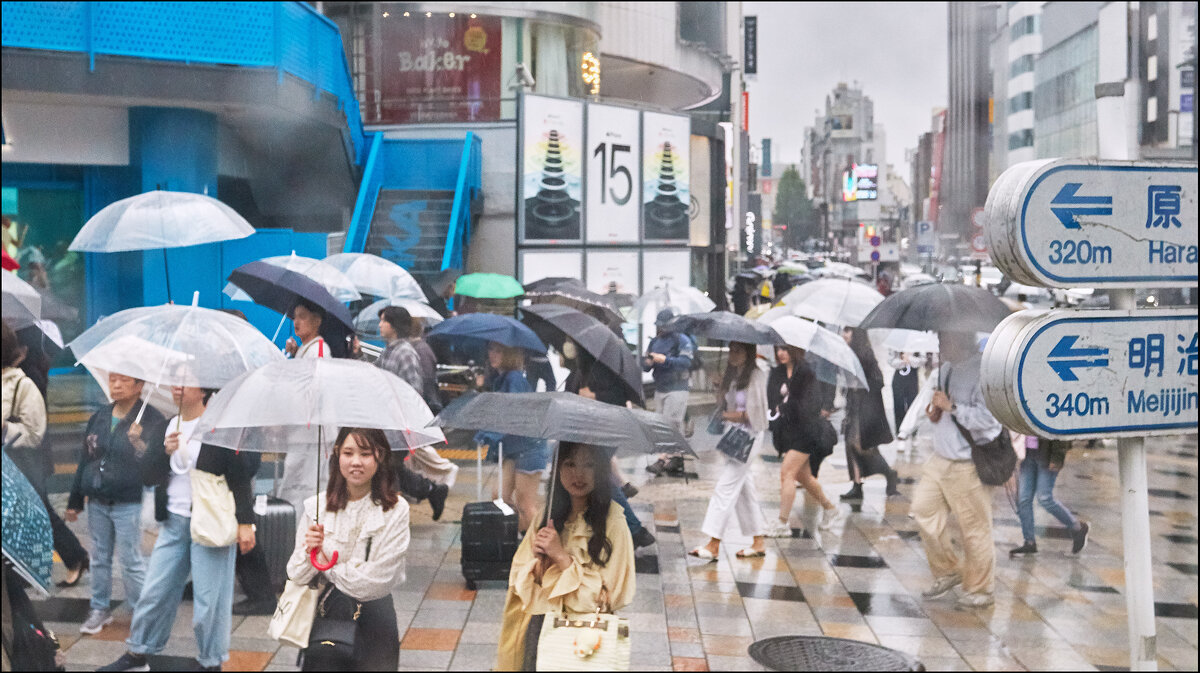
column 794, row 209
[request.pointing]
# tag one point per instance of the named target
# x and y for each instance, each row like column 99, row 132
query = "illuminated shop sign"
column 859, row 183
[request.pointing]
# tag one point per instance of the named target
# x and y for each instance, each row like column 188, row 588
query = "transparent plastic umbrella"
column 160, row 219
column 836, row 301
column 22, row 303
column 141, row 359
column 682, row 298
column 909, row 341
column 326, row 275
column 367, row 320
column 820, row 342
column 376, row 276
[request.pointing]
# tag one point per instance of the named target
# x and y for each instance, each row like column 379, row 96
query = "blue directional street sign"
column 1072, row 206
column 1098, row 224
column 1065, row 374
column 1064, row 358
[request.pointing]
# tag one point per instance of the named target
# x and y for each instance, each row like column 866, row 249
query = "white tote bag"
column 214, row 521
column 293, row 618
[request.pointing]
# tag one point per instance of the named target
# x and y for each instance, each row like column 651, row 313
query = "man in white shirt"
column 949, row 483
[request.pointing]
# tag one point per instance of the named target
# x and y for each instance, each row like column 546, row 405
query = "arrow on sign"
column 1065, row 348
column 1066, row 197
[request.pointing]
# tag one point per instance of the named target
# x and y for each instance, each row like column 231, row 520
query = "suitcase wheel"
column 470, row 585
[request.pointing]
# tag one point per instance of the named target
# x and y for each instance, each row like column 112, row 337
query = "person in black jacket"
column 866, row 425
column 794, row 400
column 110, row 477
column 177, row 471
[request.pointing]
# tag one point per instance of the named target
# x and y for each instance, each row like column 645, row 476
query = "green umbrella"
column 488, row 286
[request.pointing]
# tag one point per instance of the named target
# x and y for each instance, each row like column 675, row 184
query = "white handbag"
column 293, row 619
column 597, row 641
column 214, row 521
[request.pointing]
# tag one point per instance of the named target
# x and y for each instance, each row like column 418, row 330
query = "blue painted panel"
column 207, row 32
column 45, row 25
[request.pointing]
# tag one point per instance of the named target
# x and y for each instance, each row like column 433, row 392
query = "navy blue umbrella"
column 479, row 328
column 280, row 290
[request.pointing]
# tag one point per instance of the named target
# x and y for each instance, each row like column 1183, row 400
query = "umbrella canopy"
column 915, row 279
column 25, row 528
column 367, row 320
column 938, row 307
column 22, row 303
column 326, row 275
column 837, row 301
column 488, row 286
column 374, row 275
column 724, row 326
column 279, row 407
column 820, row 342
column 160, row 219
column 839, row 270
column 565, row 417
column 911, row 341
column 572, row 293
column 554, row 324
column 479, row 328
column 682, row 298
column 175, row 345
column 280, row 290
column 792, row 268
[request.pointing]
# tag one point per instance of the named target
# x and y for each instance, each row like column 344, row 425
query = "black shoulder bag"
column 995, row 460
column 335, row 627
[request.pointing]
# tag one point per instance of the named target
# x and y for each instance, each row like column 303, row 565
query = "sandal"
column 702, row 552
column 750, row 552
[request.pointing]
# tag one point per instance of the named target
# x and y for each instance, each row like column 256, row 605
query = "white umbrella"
column 367, row 320
column 832, row 300
column 22, row 303
column 682, row 298
column 160, row 219
column 141, row 359
column 376, row 276
column 325, row 275
column 822, row 343
column 909, row 341
column 279, row 407
column 839, row 270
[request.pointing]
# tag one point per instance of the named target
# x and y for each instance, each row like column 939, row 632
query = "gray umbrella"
column 938, row 307
column 724, row 326
column 565, row 417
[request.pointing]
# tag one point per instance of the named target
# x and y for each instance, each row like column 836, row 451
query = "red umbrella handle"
column 312, row 557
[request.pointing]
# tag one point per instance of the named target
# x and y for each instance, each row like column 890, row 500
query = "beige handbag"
column 293, row 619
column 589, row 642
column 214, row 522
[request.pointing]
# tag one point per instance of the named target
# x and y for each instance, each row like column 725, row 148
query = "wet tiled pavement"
column 861, row 581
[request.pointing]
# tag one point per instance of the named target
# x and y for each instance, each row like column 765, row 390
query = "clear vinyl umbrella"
column 682, row 298
column 837, row 301
column 824, row 344
column 367, row 320
column 324, row 274
column 376, row 276
column 160, row 219
column 22, row 303
column 908, row 341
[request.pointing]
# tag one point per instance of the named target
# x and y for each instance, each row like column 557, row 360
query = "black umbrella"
column 938, row 307
column 565, row 417
column 724, row 326
column 572, row 293
column 555, row 323
column 281, row 290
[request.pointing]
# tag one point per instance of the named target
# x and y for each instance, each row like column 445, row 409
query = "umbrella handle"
column 312, row 558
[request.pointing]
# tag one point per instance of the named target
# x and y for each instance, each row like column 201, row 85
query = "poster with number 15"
column 613, row 178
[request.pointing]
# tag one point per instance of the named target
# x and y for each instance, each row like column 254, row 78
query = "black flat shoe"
column 83, row 566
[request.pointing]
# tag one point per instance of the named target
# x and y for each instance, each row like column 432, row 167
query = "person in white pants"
column 743, row 392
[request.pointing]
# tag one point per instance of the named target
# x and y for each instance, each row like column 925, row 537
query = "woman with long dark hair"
column 743, row 396
column 795, row 400
column 583, row 545
column 365, row 521
column 866, row 426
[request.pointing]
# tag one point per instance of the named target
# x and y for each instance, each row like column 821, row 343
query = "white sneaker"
column 829, row 517
column 777, row 528
column 96, row 620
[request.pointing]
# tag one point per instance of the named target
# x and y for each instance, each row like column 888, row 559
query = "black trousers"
column 376, row 640
column 253, row 575
column 904, row 393
column 65, row 542
column 412, row 484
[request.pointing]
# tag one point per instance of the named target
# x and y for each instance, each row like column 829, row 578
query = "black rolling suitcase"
column 277, row 536
column 489, row 536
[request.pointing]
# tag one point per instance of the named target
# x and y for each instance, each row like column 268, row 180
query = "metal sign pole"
column 1135, row 534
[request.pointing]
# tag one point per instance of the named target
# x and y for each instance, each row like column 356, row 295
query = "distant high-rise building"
column 965, row 176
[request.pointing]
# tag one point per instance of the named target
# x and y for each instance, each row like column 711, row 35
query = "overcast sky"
column 895, row 51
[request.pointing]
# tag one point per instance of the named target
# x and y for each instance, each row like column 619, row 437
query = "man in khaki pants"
column 949, row 483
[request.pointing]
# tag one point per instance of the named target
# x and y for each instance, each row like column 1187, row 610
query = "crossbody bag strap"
column 963, row 431
column 12, row 406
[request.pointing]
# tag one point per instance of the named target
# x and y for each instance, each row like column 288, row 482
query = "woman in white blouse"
column 364, row 520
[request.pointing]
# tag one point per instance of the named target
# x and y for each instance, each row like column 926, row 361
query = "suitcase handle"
column 312, row 558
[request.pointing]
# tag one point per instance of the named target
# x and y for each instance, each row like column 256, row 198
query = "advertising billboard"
column 551, row 170
column 613, row 175
column 859, row 182
column 666, row 150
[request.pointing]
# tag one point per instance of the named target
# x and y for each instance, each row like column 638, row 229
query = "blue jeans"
column 116, row 527
column 1036, row 479
column 631, row 519
column 174, row 556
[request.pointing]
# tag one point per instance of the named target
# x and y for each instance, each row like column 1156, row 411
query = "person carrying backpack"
column 670, row 357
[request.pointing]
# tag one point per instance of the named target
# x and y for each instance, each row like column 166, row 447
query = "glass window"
column 1021, row 65
column 1025, row 26
column 1022, row 138
column 1152, row 68
column 1021, row 101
